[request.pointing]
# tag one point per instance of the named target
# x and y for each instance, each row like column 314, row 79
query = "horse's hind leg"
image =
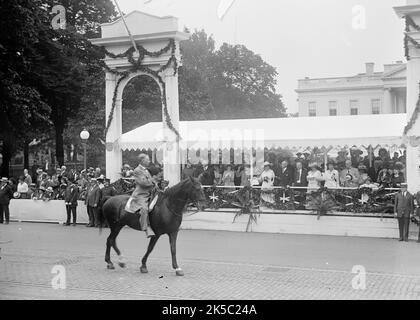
column 172, row 241
column 111, row 242
column 152, row 242
column 110, row 265
column 121, row 260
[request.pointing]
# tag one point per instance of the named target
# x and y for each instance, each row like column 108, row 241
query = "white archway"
column 153, row 35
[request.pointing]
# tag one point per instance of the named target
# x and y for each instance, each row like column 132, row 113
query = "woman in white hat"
column 314, row 178
column 267, row 180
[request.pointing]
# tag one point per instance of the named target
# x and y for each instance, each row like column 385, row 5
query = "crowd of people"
column 71, row 186
column 343, row 172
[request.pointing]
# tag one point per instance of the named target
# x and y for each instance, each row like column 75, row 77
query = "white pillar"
column 388, row 101
column 113, row 154
column 413, row 78
column 171, row 156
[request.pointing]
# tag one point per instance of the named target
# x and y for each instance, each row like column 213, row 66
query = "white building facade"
column 366, row 93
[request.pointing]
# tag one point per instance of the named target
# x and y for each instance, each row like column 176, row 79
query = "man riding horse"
column 139, row 200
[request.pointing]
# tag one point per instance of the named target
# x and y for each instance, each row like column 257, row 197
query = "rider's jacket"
column 144, row 185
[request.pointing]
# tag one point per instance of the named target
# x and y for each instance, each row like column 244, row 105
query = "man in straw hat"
column 403, row 208
column 6, row 193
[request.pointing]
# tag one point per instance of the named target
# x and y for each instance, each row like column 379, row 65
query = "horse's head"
column 197, row 194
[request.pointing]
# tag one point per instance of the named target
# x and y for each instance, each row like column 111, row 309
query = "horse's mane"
column 175, row 189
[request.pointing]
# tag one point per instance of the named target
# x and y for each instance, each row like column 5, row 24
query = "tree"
column 72, row 62
column 243, row 85
column 23, row 111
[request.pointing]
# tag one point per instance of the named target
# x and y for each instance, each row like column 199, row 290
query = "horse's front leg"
column 172, row 242
column 152, row 242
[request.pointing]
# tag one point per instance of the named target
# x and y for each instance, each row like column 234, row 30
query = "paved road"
column 217, row 265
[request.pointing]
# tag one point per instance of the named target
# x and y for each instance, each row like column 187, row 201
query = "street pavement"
column 217, row 265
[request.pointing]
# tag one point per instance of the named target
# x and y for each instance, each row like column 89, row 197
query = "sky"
column 300, row 38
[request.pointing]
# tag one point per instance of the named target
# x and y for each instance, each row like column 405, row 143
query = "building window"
column 333, row 108
column 354, row 107
column 312, row 109
column 376, row 106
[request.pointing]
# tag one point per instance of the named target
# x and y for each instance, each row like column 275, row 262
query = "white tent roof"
column 293, row 133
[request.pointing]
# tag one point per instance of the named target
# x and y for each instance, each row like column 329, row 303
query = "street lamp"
column 84, row 135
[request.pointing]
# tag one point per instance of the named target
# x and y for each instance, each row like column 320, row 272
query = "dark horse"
column 165, row 218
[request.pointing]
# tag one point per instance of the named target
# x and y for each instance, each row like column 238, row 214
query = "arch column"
column 412, row 9
column 171, row 154
column 113, row 154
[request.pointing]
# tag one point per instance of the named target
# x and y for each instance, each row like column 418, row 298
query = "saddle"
column 152, row 202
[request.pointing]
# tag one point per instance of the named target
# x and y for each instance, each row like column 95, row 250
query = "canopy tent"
column 290, row 133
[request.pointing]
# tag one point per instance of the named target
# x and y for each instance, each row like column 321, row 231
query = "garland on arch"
column 137, row 65
column 409, row 23
column 414, row 116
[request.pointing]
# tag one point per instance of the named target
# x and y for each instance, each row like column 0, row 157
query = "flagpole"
column 126, row 27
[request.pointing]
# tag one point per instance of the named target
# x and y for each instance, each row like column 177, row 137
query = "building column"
column 171, row 155
column 413, row 79
column 113, row 154
column 388, row 101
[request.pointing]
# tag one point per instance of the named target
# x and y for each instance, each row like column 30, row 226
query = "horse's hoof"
column 110, row 266
column 179, row 272
column 143, row 269
column 121, row 264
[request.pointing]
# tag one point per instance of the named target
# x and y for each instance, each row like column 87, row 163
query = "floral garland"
column 409, row 22
column 414, row 116
column 322, row 201
column 138, row 66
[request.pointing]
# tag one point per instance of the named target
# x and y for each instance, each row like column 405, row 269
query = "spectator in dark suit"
column 70, row 198
column 404, row 207
column 299, row 178
column 284, row 175
column 92, row 202
column 6, row 193
column 34, row 169
column 188, row 171
column 106, row 192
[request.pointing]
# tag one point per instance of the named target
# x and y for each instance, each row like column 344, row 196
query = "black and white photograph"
column 209, row 150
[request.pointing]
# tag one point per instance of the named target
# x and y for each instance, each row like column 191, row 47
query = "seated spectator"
column 44, row 183
column 242, row 173
column 198, row 170
column 207, row 177
column 188, row 171
column 384, row 177
column 22, row 188
column 314, row 178
column 300, row 175
column 217, row 175
column 364, row 177
column 228, row 177
column 349, row 172
column 97, row 172
column 284, row 175
column 349, row 181
column 331, row 177
column 397, row 178
column 27, row 177
column 267, row 180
